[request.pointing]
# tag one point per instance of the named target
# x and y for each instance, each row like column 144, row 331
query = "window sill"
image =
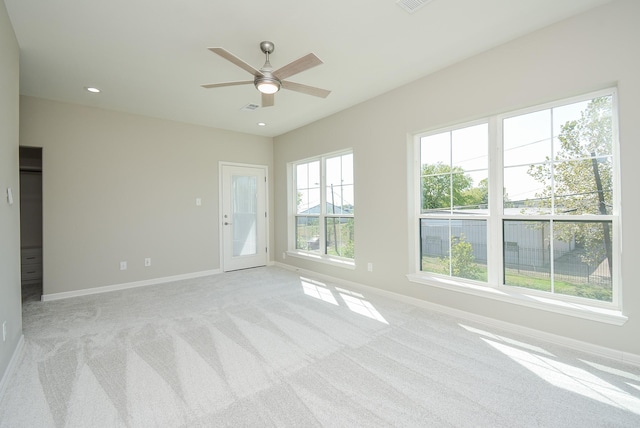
column 321, row 258
column 593, row 313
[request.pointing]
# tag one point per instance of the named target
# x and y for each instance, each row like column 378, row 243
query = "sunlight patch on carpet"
column 570, row 378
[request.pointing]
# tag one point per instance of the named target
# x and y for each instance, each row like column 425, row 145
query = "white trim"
column 4, row 382
column 530, row 300
column 127, row 285
column 323, row 258
column 576, row 345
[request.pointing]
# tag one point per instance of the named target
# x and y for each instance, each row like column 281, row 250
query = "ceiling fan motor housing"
column 267, row 47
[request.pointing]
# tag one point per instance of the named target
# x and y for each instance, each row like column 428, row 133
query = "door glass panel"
column 244, row 215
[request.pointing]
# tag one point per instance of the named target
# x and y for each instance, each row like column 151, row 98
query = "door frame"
column 265, row 168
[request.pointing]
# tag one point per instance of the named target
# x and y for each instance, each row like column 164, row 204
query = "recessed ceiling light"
column 262, row 124
column 92, row 89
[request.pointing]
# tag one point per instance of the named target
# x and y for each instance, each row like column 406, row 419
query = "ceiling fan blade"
column 309, row 90
column 220, row 85
column 267, row 100
column 298, row 66
column 234, row 59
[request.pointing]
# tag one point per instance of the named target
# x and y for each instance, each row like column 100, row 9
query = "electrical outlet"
column 284, row 255
column 370, row 267
column 123, row 265
column 147, row 261
column 4, row 331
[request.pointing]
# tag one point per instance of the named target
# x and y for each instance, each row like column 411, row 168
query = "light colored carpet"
column 265, row 347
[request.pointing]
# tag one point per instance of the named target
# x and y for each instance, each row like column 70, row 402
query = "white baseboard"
column 12, row 366
column 621, row 356
column 116, row 287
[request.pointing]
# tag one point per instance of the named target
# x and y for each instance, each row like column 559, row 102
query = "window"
column 539, row 216
column 454, row 169
column 323, row 219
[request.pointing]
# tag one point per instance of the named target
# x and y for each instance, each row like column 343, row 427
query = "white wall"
column 594, row 50
column 10, row 307
column 120, row 187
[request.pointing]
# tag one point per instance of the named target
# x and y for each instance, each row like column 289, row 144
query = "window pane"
column 308, row 233
column 334, row 171
column 454, row 170
column 526, row 254
column 436, row 149
column 527, row 138
column 309, row 201
column 339, row 184
column 347, row 169
column 470, row 147
column 470, row 192
column 308, row 188
column 524, row 192
column 436, row 193
column 583, row 129
column 302, row 201
column 314, row 174
column 339, row 236
column 339, row 170
column 454, row 247
column 245, row 215
column 582, row 257
column 584, row 186
column 339, row 200
column 308, row 175
column 302, row 176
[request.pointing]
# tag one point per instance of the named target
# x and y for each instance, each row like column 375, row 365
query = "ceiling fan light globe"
column 267, row 86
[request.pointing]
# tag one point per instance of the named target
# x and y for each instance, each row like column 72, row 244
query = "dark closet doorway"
column 31, row 222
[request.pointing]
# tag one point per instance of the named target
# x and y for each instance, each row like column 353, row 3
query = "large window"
column 525, row 201
column 323, row 206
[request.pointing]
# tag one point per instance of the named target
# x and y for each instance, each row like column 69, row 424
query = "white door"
column 243, row 217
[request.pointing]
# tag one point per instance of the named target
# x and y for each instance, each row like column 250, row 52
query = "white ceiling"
column 150, row 57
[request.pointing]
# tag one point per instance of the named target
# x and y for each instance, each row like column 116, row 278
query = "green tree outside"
column 582, row 175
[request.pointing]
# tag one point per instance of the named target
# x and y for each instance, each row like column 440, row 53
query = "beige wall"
column 119, row 187
column 591, row 51
column 10, row 308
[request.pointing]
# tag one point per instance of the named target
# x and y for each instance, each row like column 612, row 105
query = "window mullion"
column 495, row 257
column 323, row 207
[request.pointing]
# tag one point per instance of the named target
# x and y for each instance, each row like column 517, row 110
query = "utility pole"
column 603, row 210
column 333, row 219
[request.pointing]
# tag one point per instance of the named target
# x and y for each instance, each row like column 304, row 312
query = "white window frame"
column 494, row 288
column 320, row 257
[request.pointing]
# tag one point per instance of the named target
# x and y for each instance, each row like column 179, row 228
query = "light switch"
column 198, row 202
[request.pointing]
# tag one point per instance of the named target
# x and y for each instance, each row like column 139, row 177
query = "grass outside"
column 513, row 278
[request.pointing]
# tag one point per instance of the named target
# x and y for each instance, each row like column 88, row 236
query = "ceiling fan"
column 268, row 81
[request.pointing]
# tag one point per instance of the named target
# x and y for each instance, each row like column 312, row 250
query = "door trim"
column 222, row 164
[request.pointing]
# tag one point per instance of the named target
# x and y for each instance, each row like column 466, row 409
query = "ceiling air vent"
column 412, row 6
column 250, row 107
